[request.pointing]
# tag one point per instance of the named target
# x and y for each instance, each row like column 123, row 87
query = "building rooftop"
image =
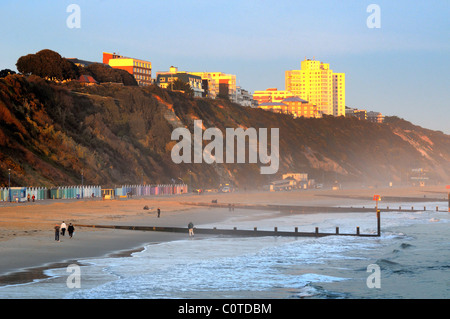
column 82, row 62
column 87, row 79
column 295, row 99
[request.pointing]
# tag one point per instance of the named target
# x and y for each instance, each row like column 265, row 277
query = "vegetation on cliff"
column 119, row 134
column 51, row 65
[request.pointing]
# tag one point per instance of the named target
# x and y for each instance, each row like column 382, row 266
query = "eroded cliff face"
column 50, row 132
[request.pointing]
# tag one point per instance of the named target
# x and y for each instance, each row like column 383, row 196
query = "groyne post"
column 378, row 223
column 377, row 198
column 448, row 188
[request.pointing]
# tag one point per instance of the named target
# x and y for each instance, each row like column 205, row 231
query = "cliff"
column 50, row 133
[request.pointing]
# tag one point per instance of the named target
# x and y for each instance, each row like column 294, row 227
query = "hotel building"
column 294, row 106
column 271, row 95
column 140, row 69
column 318, row 84
column 244, row 97
column 375, row 117
column 165, row 79
column 358, row 113
column 300, row 108
column 218, row 84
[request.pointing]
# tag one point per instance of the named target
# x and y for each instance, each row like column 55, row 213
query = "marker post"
column 377, row 198
column 448, row 187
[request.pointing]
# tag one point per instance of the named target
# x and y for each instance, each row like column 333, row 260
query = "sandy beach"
column 27, row 242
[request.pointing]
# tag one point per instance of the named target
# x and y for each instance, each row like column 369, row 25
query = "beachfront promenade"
column 23, row 194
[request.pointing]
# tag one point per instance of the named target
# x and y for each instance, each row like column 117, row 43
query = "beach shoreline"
column 28, row 248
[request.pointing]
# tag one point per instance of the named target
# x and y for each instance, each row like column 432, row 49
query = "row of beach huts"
column 23, row 194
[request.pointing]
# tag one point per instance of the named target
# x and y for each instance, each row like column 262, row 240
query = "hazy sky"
column 401, row 68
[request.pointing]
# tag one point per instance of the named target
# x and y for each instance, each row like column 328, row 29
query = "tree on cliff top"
column 6, row 72
column 179, row 85
column 47, row 64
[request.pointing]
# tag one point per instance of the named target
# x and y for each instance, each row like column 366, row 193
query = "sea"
column 410, row 260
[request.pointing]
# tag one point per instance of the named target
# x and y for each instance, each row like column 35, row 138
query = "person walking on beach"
column 70, row 229
column 63, row 228
column 159, row 212
column 191, row 229
column 57, row 232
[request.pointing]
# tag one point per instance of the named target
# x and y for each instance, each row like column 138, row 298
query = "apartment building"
column 339, row 94
column 165, row 79
column 294, row 106
column 140, row 69
column 318, row 84
column 244, row 97
column 218, row 84
column 271, row 95
column 375, row 117
column 298, row 107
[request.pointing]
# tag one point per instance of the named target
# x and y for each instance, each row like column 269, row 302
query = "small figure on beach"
column 28, row 197
column 191, row 229
column 70, row 229
column 159, row 212
column 33, row 198
column 63, row 228
column 57, row 228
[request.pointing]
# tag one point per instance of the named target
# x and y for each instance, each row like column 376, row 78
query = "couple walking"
column 63, row 228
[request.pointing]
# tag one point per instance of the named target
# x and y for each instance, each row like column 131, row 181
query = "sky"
column 400, row 69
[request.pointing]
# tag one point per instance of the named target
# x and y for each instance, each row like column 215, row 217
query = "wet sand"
column 27, row 244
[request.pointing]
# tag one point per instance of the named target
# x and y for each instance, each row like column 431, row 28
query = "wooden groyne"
column 391, row 199
column 235, row 232
column 309, row 209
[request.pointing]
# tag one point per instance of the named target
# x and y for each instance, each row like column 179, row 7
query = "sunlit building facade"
column 294, row 106
column 271, row 95
column 298, row 107
column 375, row 117
column 140, row 69
column 218, row 84
column 165, row 80
column 318, row 84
